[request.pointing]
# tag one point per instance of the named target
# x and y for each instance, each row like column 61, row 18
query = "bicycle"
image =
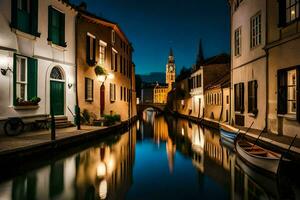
column 13, row 126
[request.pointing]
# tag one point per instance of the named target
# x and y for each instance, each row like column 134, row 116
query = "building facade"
column 217, row 104
column 283, row 47
column 160, row 92
column 37, row 53
column 212, row 69
column 249, row 63
column 101, row 45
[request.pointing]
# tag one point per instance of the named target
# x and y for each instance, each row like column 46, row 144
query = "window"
column 237, row 4
column 25, row 78
column 255, row 30
column 288, row 96
column 124, row 65
column 124, row 94
column 112, row 92
column 239, row 97
column 24, row 16
column 128, row 95
column 113, row 37
column 21, row 81
column 114, row 59
column 90, row 49
column 292, row 10
column 89, row 89
column 102, row 52
column 56, row 27
column 252, row 97
column 227, row 99
column 291, row 92
column 121, row 64
column 121, row 93
column 237, row 41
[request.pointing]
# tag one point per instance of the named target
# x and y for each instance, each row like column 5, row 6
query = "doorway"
column 57, row 92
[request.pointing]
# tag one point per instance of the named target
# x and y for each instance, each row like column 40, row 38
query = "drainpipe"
column 231, row 69
column 77, row 113
column 267, row 69
column 222, row 105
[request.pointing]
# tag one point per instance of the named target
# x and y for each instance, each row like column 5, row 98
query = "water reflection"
column 100, row 172
column 159, row 158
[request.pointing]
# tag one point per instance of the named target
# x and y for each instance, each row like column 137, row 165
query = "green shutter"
column 94, row 51
column 242, row 97
column 34, row 17
column 14, row 15
column 88, row 61
column 282, row 92
column 50, row 10
column 32, row 78
column 282, row 13
column 85, row 88
column 62, row 30
column 15, row 80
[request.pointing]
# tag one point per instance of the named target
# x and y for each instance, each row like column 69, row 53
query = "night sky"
column 153, row 26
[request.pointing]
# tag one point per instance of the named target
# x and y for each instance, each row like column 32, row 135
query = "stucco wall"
column 251, row 64
column 47, row 56
column 102, row 33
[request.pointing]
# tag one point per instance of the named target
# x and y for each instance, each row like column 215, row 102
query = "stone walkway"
column 29, row 139
column 276, row 140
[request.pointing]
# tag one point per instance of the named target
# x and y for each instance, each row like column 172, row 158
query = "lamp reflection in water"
column 103, row 189
column 101, row 170
column 111, row 164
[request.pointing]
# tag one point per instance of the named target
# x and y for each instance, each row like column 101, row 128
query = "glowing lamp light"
column 111, row 164
column 182, row 131
column 111, row 76
column 101, row 78
column 103, row 189
column 293, row 12
column 101, row 170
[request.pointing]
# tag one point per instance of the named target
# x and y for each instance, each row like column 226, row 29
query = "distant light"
column 182, row 131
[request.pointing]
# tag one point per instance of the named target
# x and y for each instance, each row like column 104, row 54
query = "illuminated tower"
column 170, row 70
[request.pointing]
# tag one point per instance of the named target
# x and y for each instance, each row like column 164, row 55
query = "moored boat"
column 228, row 135
column 257, row 156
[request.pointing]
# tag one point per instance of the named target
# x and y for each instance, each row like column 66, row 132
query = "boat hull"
column 268, row 164
column 228, row 135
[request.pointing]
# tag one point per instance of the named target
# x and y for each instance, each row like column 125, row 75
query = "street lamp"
column 101, row 78
column 101, row 74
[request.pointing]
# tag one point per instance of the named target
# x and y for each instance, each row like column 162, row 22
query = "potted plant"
column 34, row 101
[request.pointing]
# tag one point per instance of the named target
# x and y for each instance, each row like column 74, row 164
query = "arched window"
column 56, row 73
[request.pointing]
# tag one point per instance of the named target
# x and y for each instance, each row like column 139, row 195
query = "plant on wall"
column 100, row 71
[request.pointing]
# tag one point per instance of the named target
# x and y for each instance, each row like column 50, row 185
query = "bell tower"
column 170, row 70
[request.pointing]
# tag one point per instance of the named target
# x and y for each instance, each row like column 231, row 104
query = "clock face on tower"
column 171, row 68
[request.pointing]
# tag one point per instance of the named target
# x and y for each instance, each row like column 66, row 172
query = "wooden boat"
column 228, row 135
column 257, row 156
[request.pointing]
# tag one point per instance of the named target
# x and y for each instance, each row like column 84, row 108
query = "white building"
column 248, row 63
column 211, row 70
column 37, row 46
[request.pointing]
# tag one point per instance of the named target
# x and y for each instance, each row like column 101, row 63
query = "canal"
column 158, row 158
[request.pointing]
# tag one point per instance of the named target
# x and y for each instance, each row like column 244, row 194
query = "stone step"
column 61, row 122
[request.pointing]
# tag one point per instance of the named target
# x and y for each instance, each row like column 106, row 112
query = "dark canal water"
column 159, row 158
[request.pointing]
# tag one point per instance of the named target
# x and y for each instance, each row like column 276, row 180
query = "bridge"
column 143, row 106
